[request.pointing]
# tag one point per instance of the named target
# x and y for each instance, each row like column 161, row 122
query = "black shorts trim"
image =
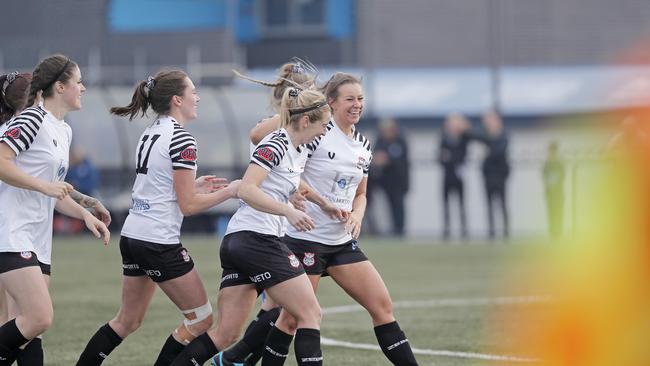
column 316, row 257
column 161, row 262
column 248, row 257
column 46, row 269
column 10, row 261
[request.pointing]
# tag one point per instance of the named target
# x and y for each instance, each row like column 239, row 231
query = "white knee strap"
column 201, row 313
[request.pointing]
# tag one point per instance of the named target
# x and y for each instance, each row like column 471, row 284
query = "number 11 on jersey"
column 141, row 168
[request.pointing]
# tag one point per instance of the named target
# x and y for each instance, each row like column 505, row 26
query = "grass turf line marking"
column 444, row 302
column 418, row 351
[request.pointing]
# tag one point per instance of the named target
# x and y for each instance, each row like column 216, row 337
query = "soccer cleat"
column 218, row 360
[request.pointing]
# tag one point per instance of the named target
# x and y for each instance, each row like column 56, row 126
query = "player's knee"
column 202, row 326
column 126, row 325
column 309, row 313
column 197, row 321
column 41, row 322
column 381, row 309
column 289, row 323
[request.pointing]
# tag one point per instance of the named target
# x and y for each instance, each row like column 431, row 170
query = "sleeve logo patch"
column 189, row 154
column 265, row 153
column 14, row 133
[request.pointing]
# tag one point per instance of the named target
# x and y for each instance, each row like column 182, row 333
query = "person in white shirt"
column 34, row 151
column 165, row 190
column 13, row 99
column 337, row 169
column 252, row 255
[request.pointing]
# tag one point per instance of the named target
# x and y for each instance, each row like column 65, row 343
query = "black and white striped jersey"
column 277, row 155
column 42, row 146
column 155, row 216
column 336, row 166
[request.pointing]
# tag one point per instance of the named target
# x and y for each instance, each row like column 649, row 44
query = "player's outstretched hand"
column 57, row 190
column 300, row 220
column 97, row 228
column 334, row 212
column 298, row 199
column 353, row 226
column 100, row 212
column 209, row 183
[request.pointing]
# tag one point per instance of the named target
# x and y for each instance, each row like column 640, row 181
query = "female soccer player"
column 163, row 193
column 34, row 151
column 296, row 72
column 13, row 99
column 253, row 257
column 338, row 170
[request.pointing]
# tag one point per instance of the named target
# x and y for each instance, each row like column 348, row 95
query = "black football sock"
column 394, row 344
column 100, row 346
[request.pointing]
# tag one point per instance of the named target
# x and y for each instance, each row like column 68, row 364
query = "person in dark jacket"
column 391, row 165
column 496, row 169
column 451, row 156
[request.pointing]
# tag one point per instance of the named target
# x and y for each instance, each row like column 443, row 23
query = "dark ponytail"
column 155, row 92
column 13, row 94
column 139, row 103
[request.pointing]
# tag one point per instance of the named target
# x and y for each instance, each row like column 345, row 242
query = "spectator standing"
column 451, row 156
column 496, row 170
column 391, row 159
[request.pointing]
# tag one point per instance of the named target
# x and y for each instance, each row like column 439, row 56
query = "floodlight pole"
column 495, row 51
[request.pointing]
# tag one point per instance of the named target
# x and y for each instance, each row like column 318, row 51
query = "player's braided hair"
column 298, row 72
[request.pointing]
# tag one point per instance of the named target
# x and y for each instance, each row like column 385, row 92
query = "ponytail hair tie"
column 151, row 82
column 10, row 79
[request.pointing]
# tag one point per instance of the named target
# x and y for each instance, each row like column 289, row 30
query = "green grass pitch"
column 86, row 293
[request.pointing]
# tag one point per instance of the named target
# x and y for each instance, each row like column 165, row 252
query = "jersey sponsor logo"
column 54, row 142
column 153, row 272
column 130, row 266
column 26, row 255
column 141, row 205
column 232, row 276
column 265, row 153
column 260, row 277
column 308, row 260
column 342, row 183
column 331, row 155
column 189, row 154
column 14, row 133
column 186, row 257
column 295, row 263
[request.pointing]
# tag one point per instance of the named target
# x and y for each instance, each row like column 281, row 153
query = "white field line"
column 481, row 301
column 418, row 351
column 438, row 303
